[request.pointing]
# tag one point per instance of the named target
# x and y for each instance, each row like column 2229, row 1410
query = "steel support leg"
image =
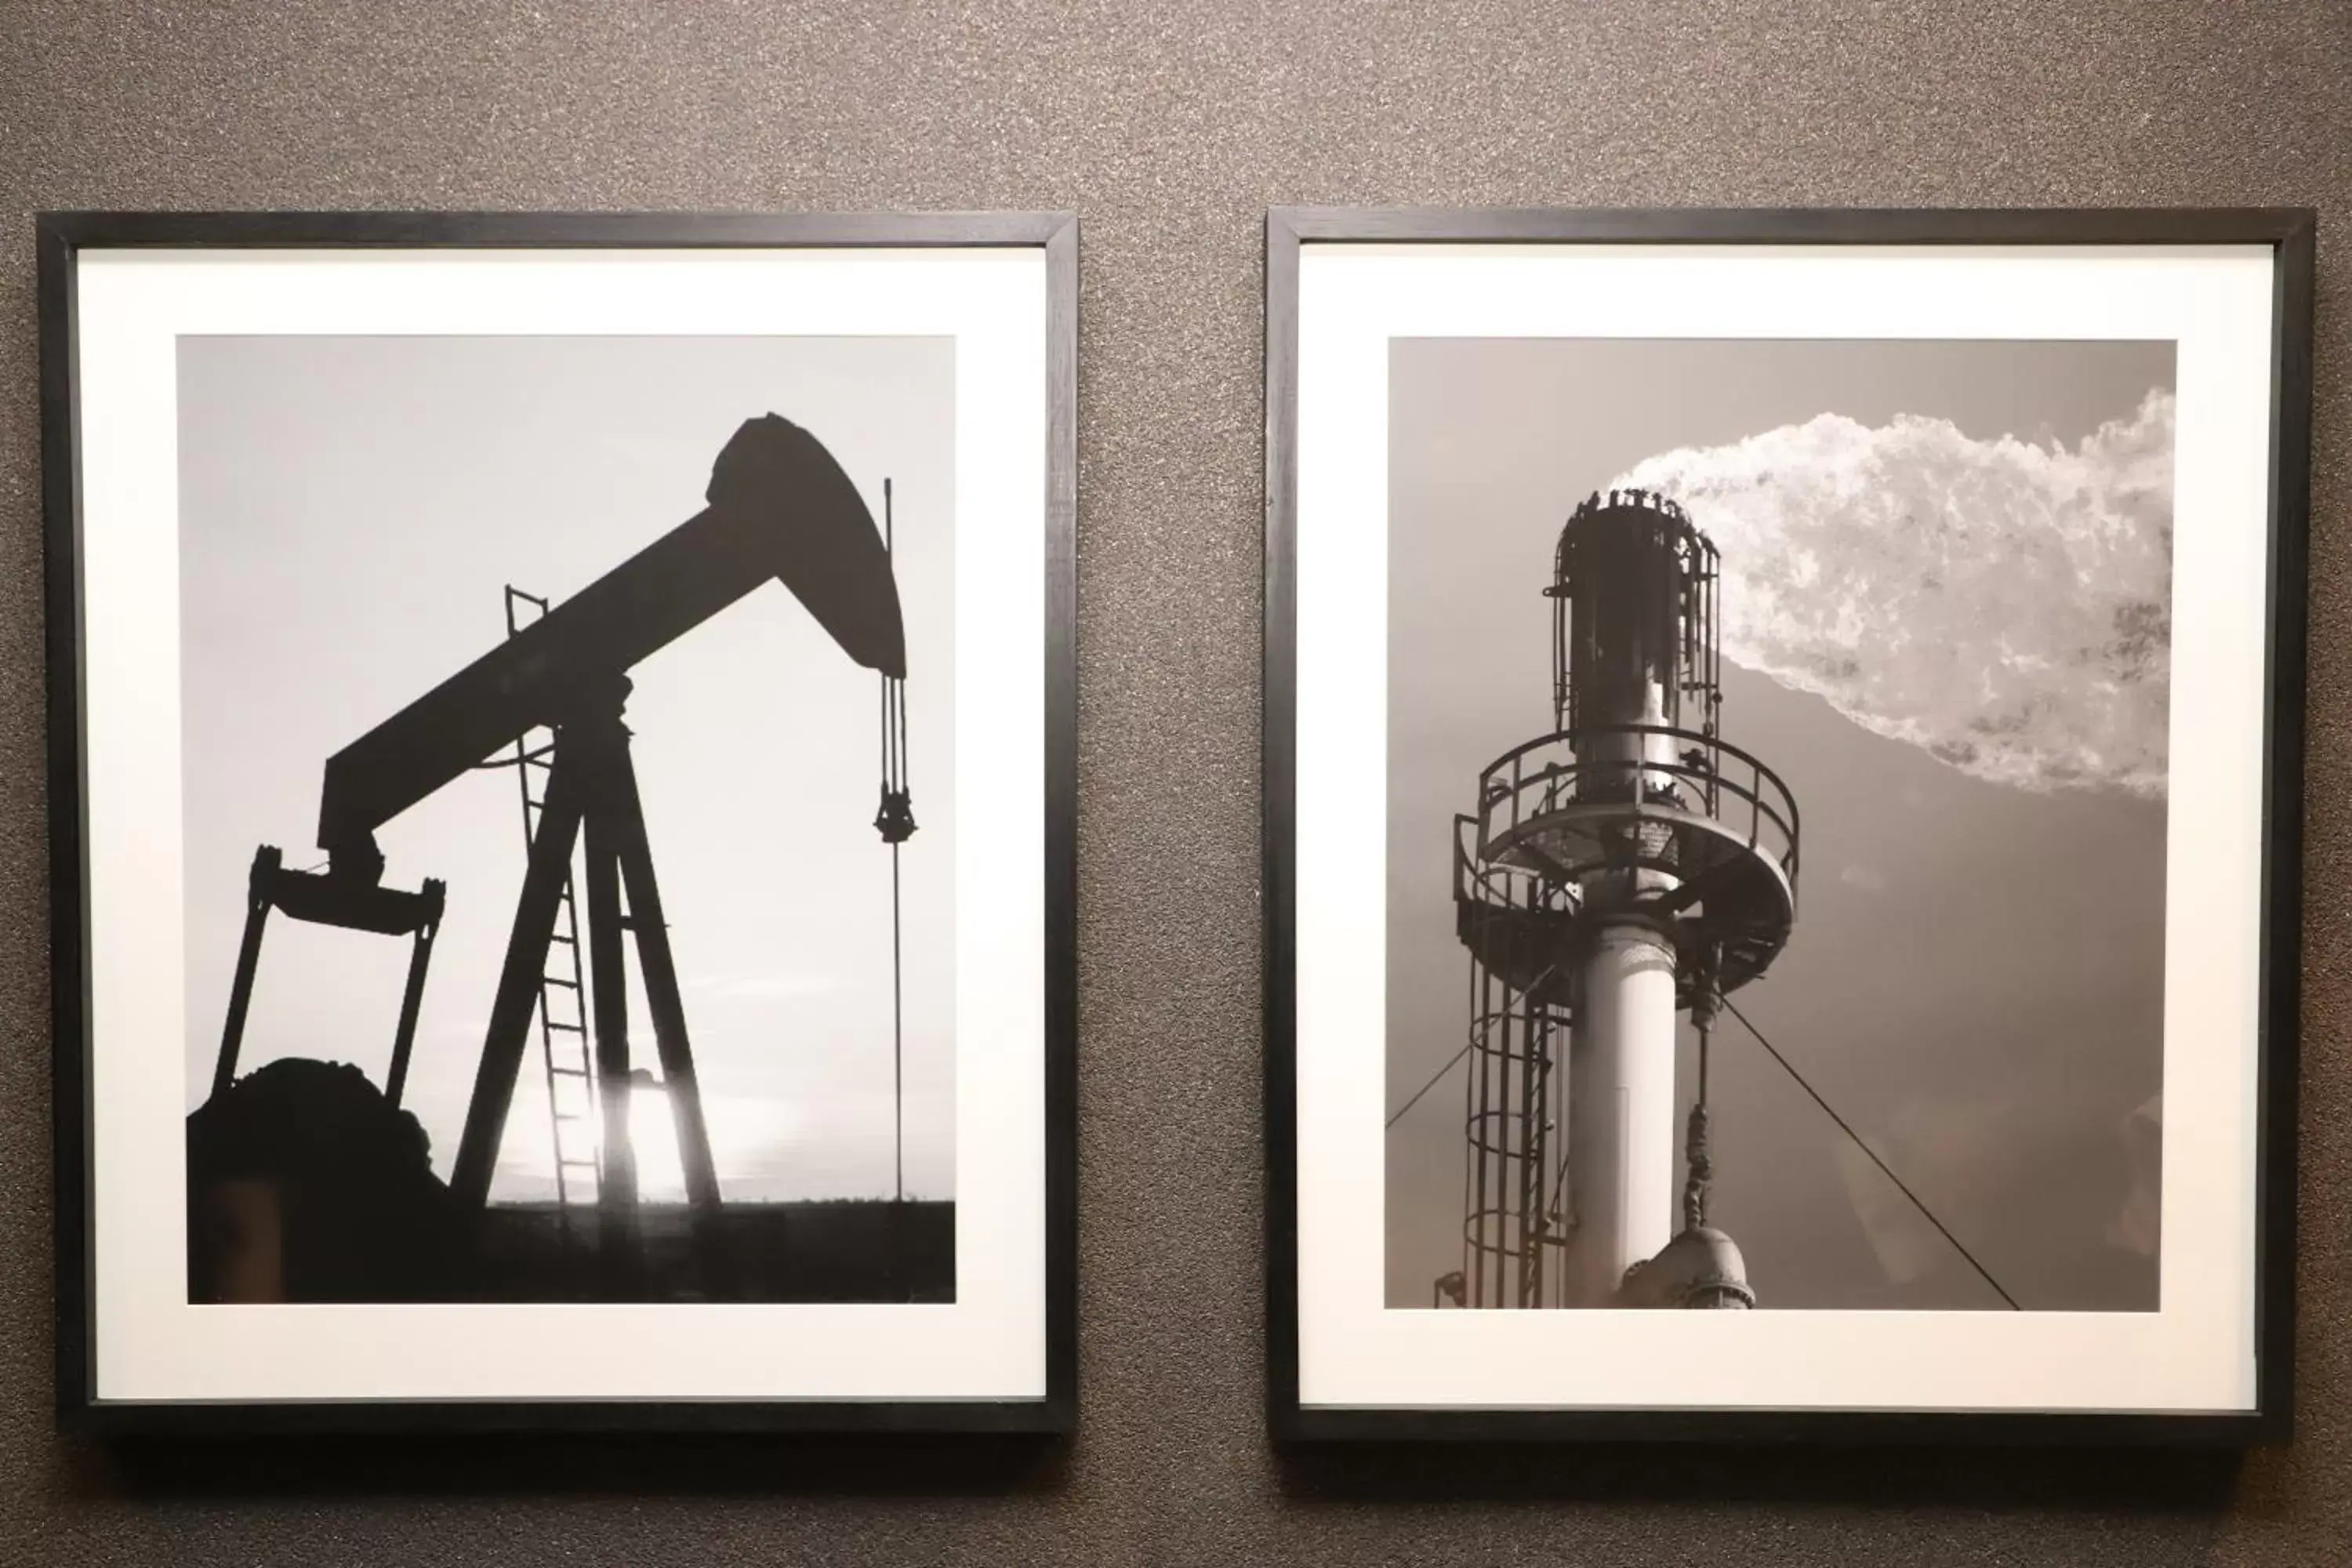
column 668, row 1009
column 411, row 997
column 662, row 1001
column 265, row 861
column 617, row 1183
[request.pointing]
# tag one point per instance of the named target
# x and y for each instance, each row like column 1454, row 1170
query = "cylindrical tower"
column 1624, row 867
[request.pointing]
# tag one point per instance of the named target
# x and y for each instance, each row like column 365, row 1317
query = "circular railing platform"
column 1702, row 838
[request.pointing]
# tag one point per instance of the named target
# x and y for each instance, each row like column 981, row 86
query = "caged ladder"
column 563, row 1041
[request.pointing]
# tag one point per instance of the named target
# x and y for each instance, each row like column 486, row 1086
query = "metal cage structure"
column 1516, row 1100
column 1631, row 812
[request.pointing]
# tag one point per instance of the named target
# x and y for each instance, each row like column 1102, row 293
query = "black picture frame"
column 61, row 237
column 2290, row 233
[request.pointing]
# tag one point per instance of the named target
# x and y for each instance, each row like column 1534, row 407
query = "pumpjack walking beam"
column 780, row 510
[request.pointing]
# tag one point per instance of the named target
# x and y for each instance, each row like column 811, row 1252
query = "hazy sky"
column 1976, row 976
column 350, row 509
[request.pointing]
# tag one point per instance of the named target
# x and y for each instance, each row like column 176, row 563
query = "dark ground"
column 832, row 1251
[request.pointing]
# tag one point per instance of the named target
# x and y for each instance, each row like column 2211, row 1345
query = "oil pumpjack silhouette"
column 780, row 509
column 1625, row 868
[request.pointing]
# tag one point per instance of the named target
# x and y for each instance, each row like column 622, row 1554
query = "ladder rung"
column 567, row 941
column 578, row 1164
column 558, row 980
column 568, row 1072
column 574, row 1116
column 567, row 1028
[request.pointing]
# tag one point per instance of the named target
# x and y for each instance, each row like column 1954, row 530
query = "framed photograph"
column 561, row 788
column 1783, row 765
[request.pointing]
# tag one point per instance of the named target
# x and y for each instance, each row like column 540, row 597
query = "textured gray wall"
column 1171, row 126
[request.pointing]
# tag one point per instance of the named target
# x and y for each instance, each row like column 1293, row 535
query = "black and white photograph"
column 1817, row 690
column 1778, row 734
column 668, row 1015
column 566, row 798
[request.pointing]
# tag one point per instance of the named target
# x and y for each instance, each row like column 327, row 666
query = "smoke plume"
column 2005, row 606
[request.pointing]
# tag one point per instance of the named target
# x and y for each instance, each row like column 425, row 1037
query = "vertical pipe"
column 1470, row 1095
column 1480, row 1065
column 1524, row 1127
column 1621, row 1135
column 1556, row 1028
column 1534, row 1152
column 1490, row 1171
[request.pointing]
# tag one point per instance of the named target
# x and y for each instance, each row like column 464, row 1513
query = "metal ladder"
column 571, row 1071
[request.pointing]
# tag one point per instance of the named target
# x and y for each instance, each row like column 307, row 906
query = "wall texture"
column 1171, row 125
